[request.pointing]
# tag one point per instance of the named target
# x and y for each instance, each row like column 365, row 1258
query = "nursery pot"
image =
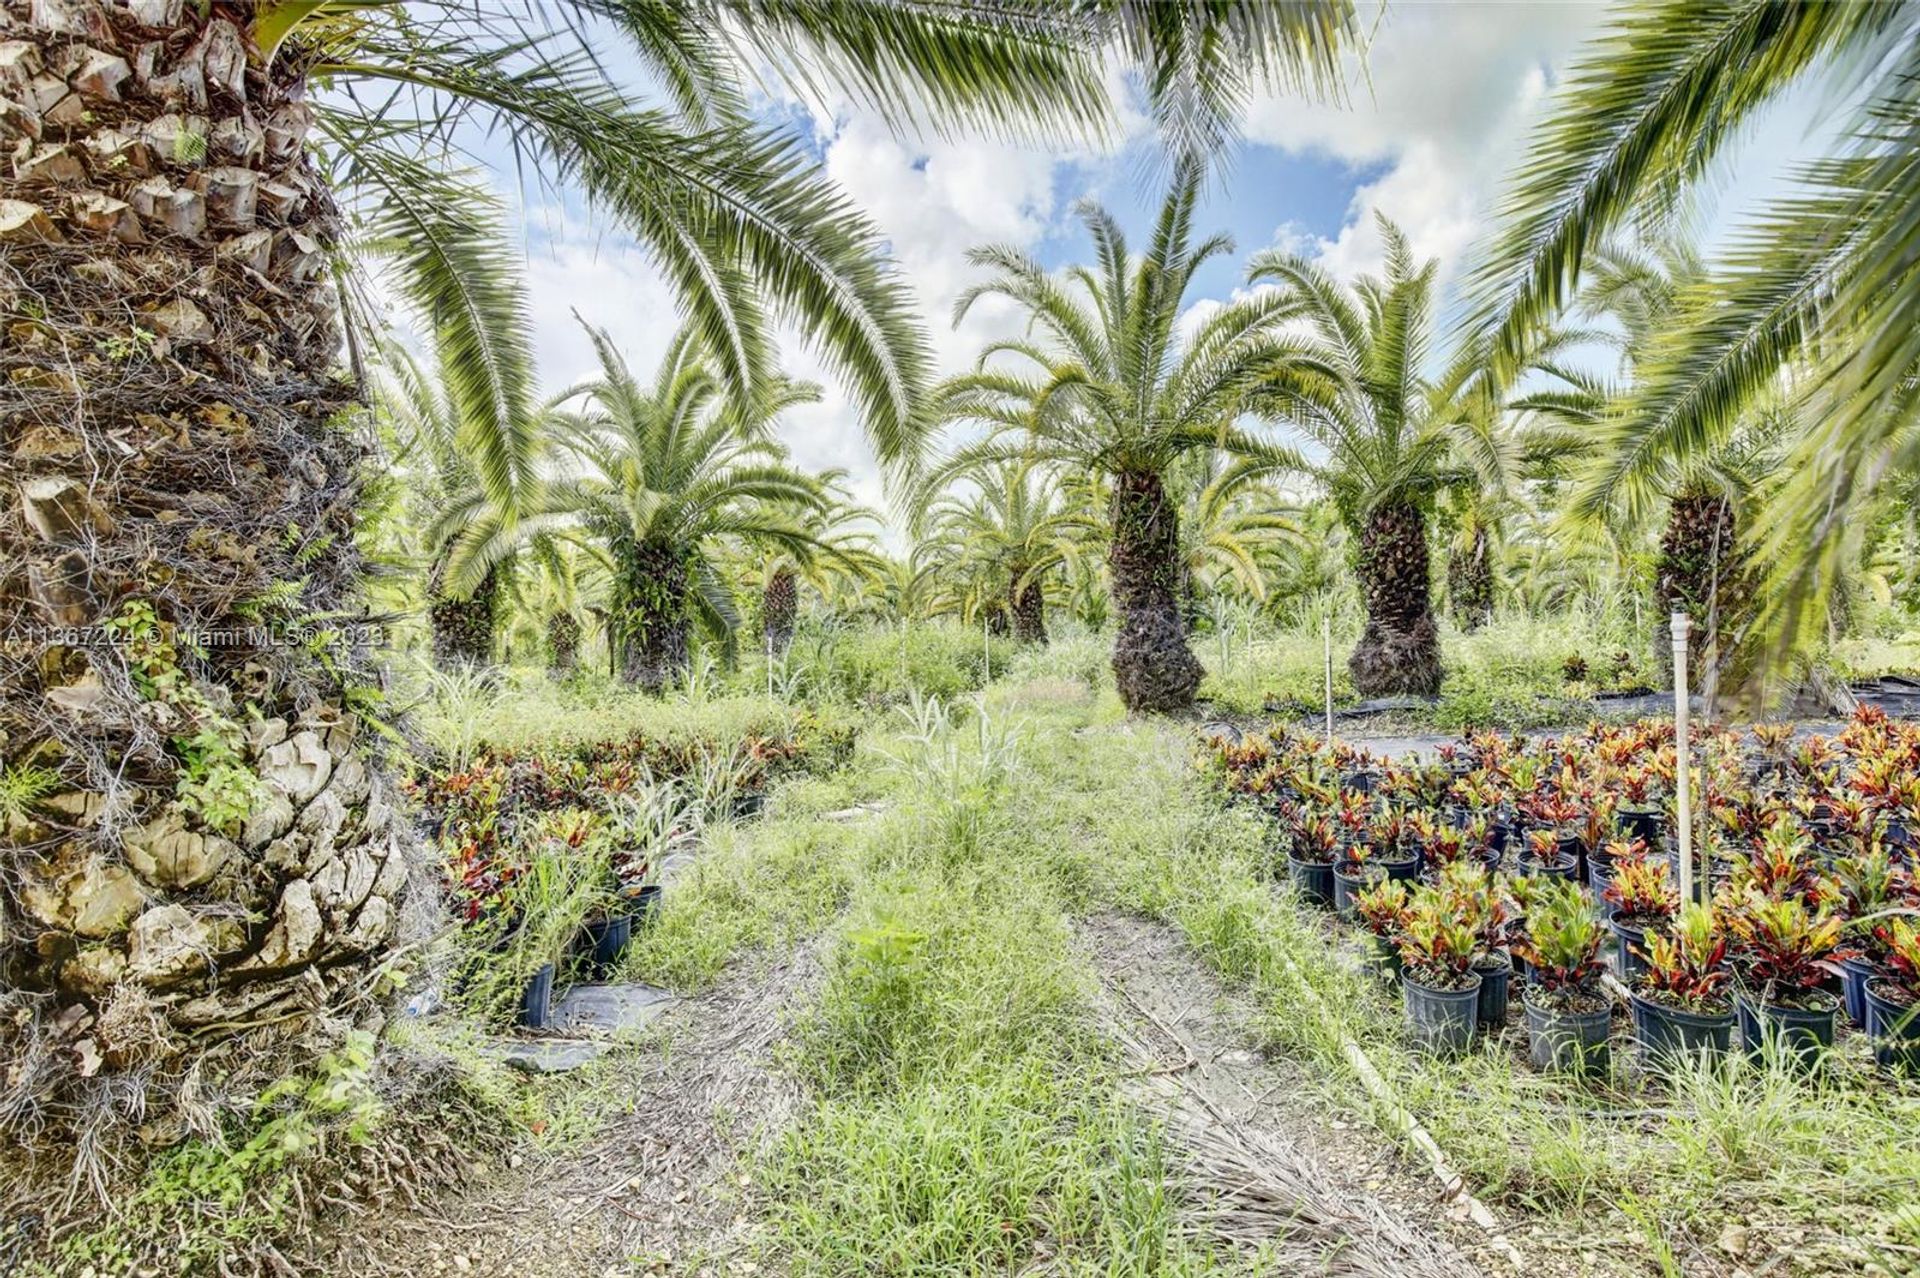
column 1496, row 978
column 1894, row 1028
column 646, row 903
column 1667, row 1035
column 1442, row 1021
column 1403, row 866
column 1349, row 878
column 536, row 1005
column 1807, row 1032
column 1386, row 957
column 608, row 938
column 1626, row 939
column 1854, row 975
column 1562, row 866
column 1313, row 880
column 1599, row 877
column 1646, row 824
column 1360, row 781
column 1575, row 1042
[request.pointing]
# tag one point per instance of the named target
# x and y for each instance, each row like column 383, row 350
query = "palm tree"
column 1390, row 439
column 667, row 471
column 1825, row 277
column 1000, row 538
column 843, row 554
column 1106, row 385
column 1710, row 496
column 1233, row 522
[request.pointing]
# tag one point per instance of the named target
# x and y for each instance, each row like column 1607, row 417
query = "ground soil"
column 1206, row 1033
column 655, row 1189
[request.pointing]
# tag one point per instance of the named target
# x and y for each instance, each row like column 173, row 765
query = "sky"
column 1439, row 112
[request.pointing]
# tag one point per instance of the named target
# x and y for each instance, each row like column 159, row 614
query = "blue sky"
column 1432, row 123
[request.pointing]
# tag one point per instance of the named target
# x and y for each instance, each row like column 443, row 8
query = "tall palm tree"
column 1001, row 537
column 1710, row 496
column 1107, row 385
column 1826, row 276
column 439, row 441
column 666, row 471
column 843, row 555
column 1389, row 439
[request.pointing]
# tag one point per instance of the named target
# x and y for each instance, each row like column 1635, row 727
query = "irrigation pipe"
column 1452, row 1182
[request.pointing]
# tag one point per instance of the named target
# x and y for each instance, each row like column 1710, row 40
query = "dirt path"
column 652, row 1190
column 1279, row 1160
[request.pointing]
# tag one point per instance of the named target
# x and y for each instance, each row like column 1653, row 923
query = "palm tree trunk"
column 1399, row 652
column 1470, row 583
column 650, row 610
column 463, row 629
column 1028, row 604
column 779, row 603
column 1698, row 573
column 171, row 460
column 563, row 638
column 1153, row 668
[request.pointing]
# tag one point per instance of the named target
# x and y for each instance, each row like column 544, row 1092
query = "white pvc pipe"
column 1682, row 751
column 1326, row 639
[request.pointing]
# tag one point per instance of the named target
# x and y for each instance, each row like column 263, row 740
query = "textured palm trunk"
column 1698, row 573
column 1470, row 583
column 779, row 604
column 650, row 613
column 463, row 629
column 1028, row 605
column 1399, row 651
column 213, row 869
column 563, row 643
column 1153, row 667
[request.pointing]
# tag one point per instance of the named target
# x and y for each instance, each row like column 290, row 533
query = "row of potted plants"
column 1807, row 864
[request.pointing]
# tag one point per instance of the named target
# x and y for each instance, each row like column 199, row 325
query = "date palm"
column 844, row 556
column 658, row 475
column 1106, row 385
column 1001, row 537
column 1826, row 278
column 1388, row 437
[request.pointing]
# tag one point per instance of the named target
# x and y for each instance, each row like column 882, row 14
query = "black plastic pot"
column 1496, row 978
column 1562, row 866
column 1349, row 878
column 1668, row 1035
column 1403, row 867
column 1805, row 1032
column 1313, row 880
column 1894, row 1028
column 1854, row 975
column 1647, row 824
column 1627, row 939
column 1360, row 781
column 1571, row 1042
column 536, row 1005
column 1441, row 1021
column 1386, row 957
column 646, row 902
column 608, row 939
column 1599, row 878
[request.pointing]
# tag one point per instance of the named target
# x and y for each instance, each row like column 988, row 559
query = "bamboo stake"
column 1326, row 640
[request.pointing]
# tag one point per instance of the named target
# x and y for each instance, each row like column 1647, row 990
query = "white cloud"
column 1444, row 104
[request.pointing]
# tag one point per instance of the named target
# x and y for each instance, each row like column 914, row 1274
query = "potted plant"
column 1893, row 1000
column 1351, row 875
column 1311, row 845
column 1679, row 1000
column 1866, row 884
column 1382, row 908
column 1642, row 900
column 1567, row 1010
column 1476, row 903
column 1640, row 815
column 1543, row 857
column 1783, row 953
column 1440, row 988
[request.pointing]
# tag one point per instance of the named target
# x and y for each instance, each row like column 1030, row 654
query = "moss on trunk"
column 650, row 593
